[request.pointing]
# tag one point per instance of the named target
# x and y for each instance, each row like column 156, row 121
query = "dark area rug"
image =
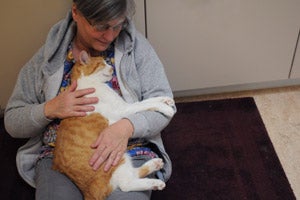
column 12, row 186
column 220, row 151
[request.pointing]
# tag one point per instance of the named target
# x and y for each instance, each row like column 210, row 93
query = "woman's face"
column 97, row 37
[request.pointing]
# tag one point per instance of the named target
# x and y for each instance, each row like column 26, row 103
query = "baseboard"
column 237, row 88
column 1, row 112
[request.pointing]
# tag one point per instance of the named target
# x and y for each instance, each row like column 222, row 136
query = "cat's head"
column 91, row 66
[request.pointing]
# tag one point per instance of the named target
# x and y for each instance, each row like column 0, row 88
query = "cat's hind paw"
column 154, row 164
column 158, row 185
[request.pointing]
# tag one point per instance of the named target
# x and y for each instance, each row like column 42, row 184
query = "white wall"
column 24, row 26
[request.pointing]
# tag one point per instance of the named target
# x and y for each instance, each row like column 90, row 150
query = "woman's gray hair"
column 105, row 10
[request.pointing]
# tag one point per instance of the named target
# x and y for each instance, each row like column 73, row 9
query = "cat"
column 75, row 135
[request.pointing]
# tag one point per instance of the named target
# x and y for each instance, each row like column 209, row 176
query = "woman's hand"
column 111, row 144
column 70, row 103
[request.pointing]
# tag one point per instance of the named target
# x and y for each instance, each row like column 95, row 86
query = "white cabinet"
column 213, row 43
column 139, row 17
column 295, row 73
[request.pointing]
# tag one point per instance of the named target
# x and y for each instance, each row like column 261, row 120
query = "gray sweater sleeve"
column 153, row 82
column 24, row 114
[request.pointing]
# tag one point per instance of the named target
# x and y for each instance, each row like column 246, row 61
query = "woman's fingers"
column 99, row 157
column 83, row 92
column 118, row 158
column 111, row 144
column 107, row 157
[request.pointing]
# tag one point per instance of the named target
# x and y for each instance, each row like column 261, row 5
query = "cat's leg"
column 156, row 104
column 127, row 177
column 163, row 108
column 163, row 104
column 166, row 100
column 142, row 185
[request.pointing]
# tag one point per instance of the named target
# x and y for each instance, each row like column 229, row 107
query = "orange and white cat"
column 75, row 135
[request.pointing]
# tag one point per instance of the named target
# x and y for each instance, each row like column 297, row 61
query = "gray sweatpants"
column 52, row 185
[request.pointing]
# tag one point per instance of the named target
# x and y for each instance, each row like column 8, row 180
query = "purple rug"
column 221, row 150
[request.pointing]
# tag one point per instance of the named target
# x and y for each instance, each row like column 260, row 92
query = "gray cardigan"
column 140, row 75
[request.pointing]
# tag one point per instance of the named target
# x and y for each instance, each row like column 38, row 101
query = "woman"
column 40, row 98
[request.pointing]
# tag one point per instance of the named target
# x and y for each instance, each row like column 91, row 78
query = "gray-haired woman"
column 40, row 98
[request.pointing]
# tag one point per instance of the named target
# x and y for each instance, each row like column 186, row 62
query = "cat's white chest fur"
column 112, row 106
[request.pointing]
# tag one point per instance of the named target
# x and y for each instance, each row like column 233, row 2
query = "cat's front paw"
column 166, row 100
column 169, row 101
column 162, row 99
column 165, row 105
column 167, row 110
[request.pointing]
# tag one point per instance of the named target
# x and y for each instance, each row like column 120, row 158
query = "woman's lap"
column 52, row 185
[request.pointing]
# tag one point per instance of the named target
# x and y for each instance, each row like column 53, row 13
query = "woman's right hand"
column 70, row 103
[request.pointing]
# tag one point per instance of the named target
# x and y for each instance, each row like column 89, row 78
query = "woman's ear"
column 74, row 12
column 84, row 58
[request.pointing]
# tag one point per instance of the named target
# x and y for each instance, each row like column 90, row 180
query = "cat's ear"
column 84, row 58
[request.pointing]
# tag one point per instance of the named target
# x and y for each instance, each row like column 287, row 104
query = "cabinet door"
column 212, row 43
column 139, row 17
column 296, row 65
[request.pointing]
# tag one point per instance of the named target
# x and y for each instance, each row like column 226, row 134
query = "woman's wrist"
column 128, row 127
column 47, row 112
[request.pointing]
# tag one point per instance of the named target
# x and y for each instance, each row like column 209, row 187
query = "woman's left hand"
column 111, row 144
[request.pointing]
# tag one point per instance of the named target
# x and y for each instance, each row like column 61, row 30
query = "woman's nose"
column 109, row 35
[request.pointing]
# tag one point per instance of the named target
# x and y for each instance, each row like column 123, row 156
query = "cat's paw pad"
column 158, row 185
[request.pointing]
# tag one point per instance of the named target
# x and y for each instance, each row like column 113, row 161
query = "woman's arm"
column 24, row 114
column 153, row 82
